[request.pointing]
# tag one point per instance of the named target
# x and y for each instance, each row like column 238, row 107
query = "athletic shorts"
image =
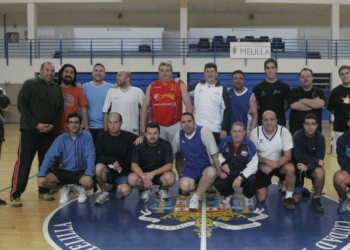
column 156, row 178
column 299, row 184
column 168, row 133
column 113, row 177
column 264, row 180
column 193, row 173
column 68, row 177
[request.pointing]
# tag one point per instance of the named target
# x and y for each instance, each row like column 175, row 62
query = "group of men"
column 129, row 155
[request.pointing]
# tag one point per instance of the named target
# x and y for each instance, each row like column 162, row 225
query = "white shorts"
column 168, row 133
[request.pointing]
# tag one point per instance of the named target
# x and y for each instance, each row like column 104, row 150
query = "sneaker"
column 289, row 204
column 109, row 187
column 194, row 204
column 343, row 206
column 46, row 197
column 65, row 192
column 282, row 186
column 145, row 195
column 102, row 198
column 211, row 190
column 226, row 200
column 248, row 202
column 2, row 202
column 318, row 205
column 81, row 191
column 164, row 194
column 16, row 202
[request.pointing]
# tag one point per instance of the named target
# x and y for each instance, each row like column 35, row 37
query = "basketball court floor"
column 130, row 224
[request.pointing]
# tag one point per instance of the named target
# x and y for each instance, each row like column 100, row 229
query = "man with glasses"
column 308, row 156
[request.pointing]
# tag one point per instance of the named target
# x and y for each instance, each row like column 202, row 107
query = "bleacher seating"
column 264, row 39
column 277, row 44
column 218, row 43
column 203, row 44
column 229, row 39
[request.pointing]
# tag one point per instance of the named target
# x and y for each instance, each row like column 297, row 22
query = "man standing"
column 239, row 160
column 152, row 162
column 339, row 106
column 274, row 144
column 113, row 158
column 40, row 103
column 76, row 152
column 272, row 94
column 305, row 99
column 308, row 153
column 95, row 94
column 74, row 97
column 165, row 97
column 125, row 100
column 4, row 102
column 211, row 103
column 201, row 158
column 243, row 103
column 341, row 179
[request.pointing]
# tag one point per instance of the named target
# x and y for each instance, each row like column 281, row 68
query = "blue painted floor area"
column 131, row 224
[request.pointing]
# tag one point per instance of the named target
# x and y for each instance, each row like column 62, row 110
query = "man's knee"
column 124, row 189
column 100, row 169
column 318, row 173
column 341, row 177
column 288, row 169
column 210, row 172
column 133, row 179
column 168, row 178
column 186, row 184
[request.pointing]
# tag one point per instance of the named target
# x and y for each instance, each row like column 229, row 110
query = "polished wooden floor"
column 21, row 228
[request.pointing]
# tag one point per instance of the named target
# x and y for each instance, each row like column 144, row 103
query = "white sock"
column 289, row 194
column 195, row 196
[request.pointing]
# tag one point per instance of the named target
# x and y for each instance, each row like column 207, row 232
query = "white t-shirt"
column 127, row 103
column 272, row 146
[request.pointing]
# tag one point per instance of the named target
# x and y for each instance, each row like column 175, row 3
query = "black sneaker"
column 2, row 202
column 289, row 204
column 318, row 205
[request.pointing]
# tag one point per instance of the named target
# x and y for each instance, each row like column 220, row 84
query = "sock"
column 195, row 196
column 289, row 194
column 316, row 197
column 343, row 197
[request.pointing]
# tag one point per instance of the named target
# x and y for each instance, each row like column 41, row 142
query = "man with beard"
column 125, row 100
column 76, row 151
column 303, row 100
column 113, row 158
column 40, row 103
column 244, row 108
column 95, row 94
column 152, row 162
column 308, row 156
column 74, row 97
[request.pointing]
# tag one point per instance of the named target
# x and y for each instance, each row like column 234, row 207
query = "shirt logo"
column 244, row 153
column 159, row 96
column 276, row 92
column 173, row 87
column 346, row 100
column 261, row 141
column 263, row 93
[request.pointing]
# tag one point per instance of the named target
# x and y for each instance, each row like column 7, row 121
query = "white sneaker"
column 249, row 202
column 145, row 195
column 65, row 192
column 81, row 191
column 102, row 198
column 194, row 204
column 226, row 200
column 164, row 194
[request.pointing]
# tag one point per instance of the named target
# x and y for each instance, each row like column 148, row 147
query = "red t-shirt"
column 166, row 102
column 74, row 98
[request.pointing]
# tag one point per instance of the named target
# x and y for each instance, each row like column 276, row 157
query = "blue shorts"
column 113, row 177
column 193, row 173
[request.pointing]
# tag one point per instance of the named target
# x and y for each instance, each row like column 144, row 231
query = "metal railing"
column 164, row 47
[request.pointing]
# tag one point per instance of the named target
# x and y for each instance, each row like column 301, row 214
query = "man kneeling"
column 76, row 152
column 239, row 159
column 152, row 162
column 200, row 150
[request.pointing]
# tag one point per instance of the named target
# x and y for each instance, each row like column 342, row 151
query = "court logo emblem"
column 178, row 216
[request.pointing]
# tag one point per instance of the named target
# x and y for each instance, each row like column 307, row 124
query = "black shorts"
column 68, row 177
column 264, row 180
column 156, row 178
column 300, row 175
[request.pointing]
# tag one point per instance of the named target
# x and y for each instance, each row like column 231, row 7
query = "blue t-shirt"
column 95, row 97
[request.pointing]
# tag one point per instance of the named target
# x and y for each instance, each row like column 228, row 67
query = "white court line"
column 204, row 223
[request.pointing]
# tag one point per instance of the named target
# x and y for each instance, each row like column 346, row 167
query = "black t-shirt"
column 271, row 96
column 339, row 102
column 151, row 158
column 296, row 117
column 115, row 148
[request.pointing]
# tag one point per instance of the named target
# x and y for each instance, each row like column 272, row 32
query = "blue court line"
column 10, row 186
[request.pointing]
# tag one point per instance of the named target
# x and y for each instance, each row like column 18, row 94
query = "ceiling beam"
column 301, row 1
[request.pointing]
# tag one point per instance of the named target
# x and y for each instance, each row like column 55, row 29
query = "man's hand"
column 44, row 128
column 237, row 182
column 117, row 166
column 41, row 181
column 86, row 181
column 222, row 174
column 267, row 170
column 226, row 168
column 147, row 179
column 139, row 140
column 223, row 134
column 301, row 167
column 321, row 163
column 272, row 164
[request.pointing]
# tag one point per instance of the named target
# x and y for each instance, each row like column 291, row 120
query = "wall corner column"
column 335, row 22
column 32, row 20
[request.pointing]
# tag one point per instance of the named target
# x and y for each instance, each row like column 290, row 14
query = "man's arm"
column 300, row 106
column 186, row 98
column 254, row 112
column 225, row 127
column 85, row 117
column 90, row 154
column 316, row 103
column 23, row 104
column 4, row 100
column 286, row 106
column 59, row 110
column 144, row 111
column 300, row 155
